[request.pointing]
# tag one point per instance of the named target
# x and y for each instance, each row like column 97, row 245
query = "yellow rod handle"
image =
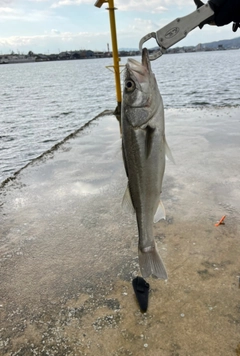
column 115, row 50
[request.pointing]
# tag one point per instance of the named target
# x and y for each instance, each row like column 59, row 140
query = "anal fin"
column 160, row 213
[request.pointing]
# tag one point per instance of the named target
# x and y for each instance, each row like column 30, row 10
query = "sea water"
column 42, row 103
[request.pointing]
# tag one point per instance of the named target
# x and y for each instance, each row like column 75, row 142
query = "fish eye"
column 130, row 85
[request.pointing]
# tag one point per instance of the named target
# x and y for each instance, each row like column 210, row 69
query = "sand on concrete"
column 68, row 253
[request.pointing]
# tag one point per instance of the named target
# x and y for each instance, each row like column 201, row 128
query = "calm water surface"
column 42, row 103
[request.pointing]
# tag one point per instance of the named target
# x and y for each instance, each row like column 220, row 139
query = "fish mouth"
column 140, row 70
column 138, row 67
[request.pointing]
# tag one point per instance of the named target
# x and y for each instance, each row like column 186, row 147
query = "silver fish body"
column 144, row 148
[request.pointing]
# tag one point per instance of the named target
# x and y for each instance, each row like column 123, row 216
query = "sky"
column 53, row 26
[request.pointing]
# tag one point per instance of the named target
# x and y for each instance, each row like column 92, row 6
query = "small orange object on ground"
column 221, row 221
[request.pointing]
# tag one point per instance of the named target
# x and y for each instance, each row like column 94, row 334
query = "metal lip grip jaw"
column 176, row 30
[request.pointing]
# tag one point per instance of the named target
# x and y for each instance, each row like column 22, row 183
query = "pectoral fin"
column 168, row 152
column 160, row 213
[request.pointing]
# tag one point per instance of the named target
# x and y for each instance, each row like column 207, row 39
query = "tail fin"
column 150, row 263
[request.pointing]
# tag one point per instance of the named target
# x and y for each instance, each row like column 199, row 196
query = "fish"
column 144, row 148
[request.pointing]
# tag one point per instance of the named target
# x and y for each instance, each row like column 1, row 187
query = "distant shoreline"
column 13, row 57
column 76, row 55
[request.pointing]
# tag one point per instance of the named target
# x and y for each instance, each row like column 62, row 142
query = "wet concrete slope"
column 69, row 254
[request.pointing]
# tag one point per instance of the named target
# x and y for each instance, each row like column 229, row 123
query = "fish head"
column 140, row 91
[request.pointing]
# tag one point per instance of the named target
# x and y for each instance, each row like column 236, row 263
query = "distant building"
column 199, row 47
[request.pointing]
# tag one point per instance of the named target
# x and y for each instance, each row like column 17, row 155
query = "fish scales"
column 144, row 147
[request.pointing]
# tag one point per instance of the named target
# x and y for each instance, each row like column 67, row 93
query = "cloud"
column 8, row 13
column 7, row 10
column 152, row 6
column 54, row 41
column 4, row 3
column 70, row 2
column 27, row 15
column 145, row 6
column 55, row 32
column 139, row 24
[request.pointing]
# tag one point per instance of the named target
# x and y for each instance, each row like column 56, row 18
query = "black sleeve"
column 217, row 2
column 225, row 11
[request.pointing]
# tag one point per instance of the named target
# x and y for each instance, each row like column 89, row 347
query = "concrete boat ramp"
column 68, row 253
